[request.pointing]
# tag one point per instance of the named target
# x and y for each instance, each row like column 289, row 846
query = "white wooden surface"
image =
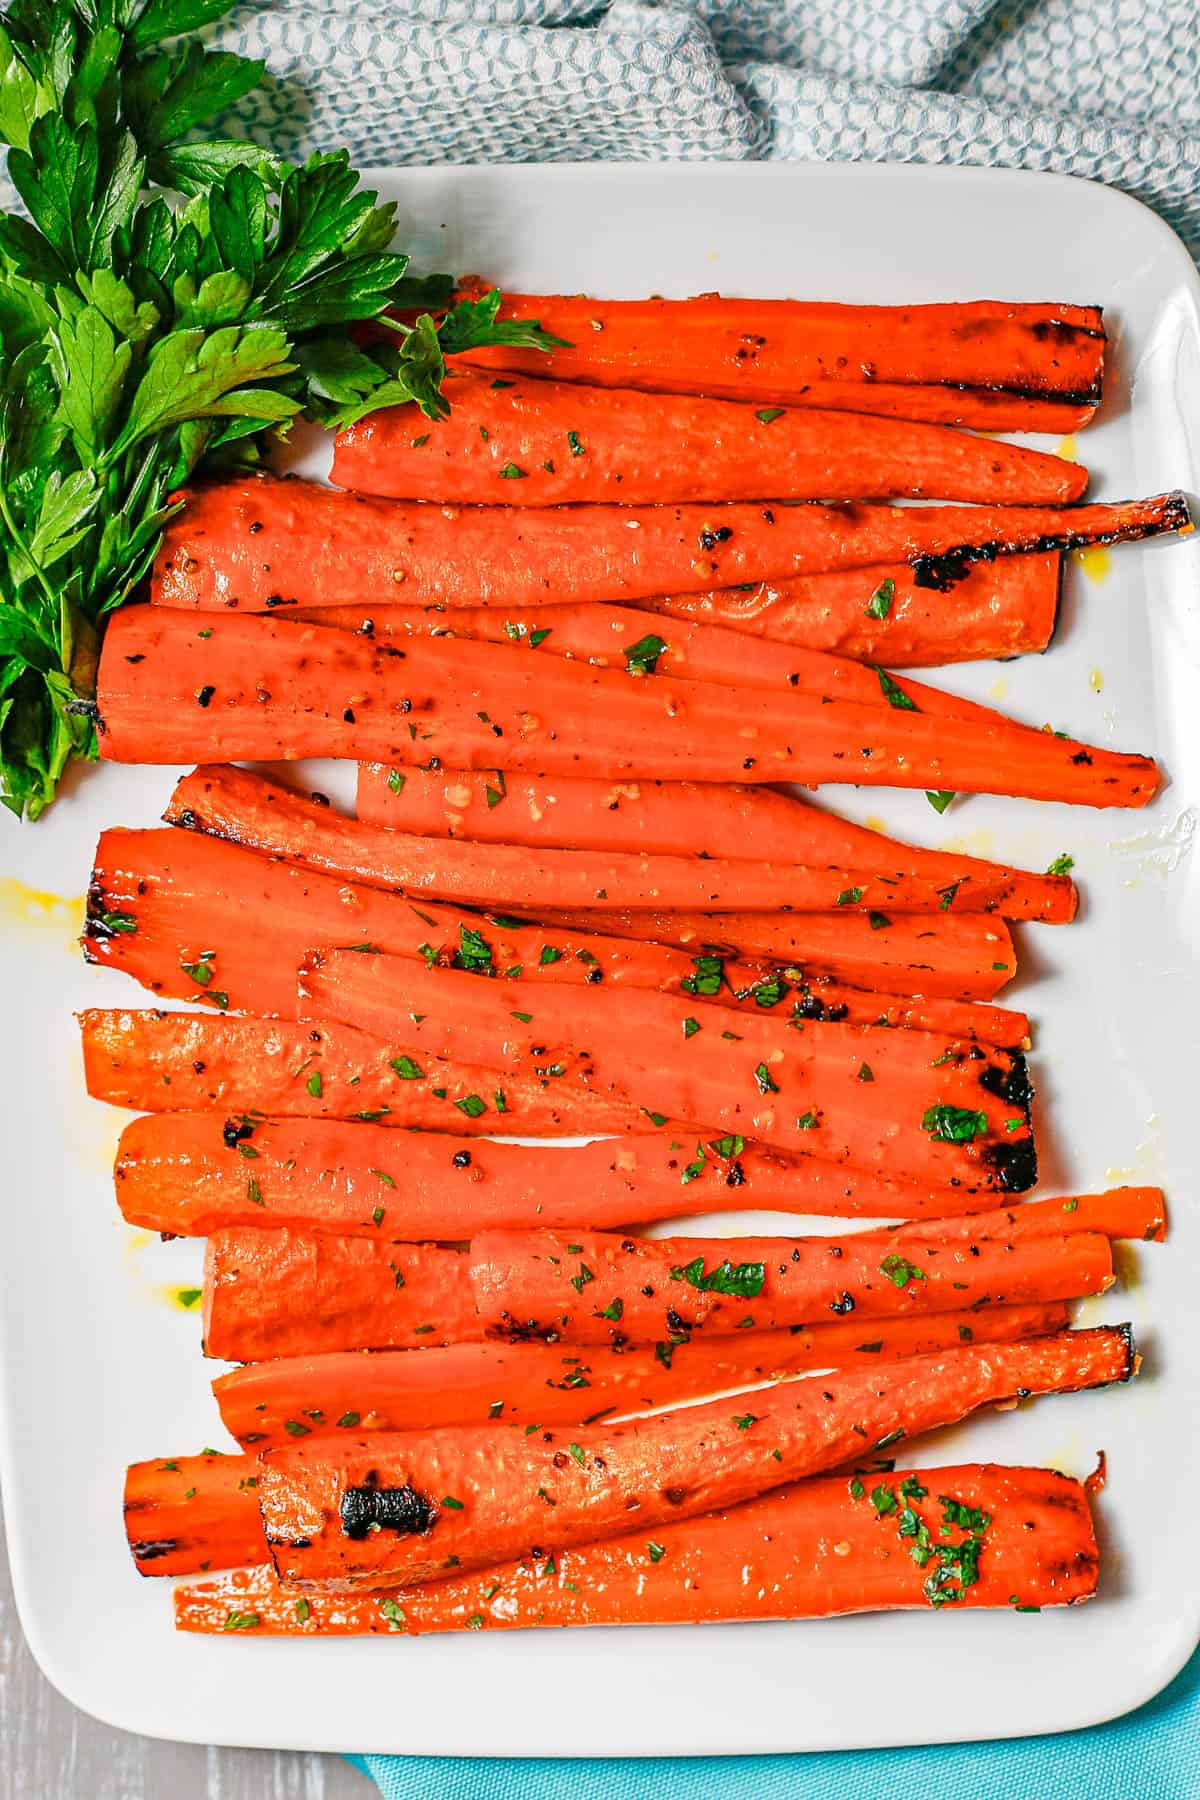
column 49, row 1751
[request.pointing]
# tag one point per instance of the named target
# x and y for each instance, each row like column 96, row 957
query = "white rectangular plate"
column 97, row 1368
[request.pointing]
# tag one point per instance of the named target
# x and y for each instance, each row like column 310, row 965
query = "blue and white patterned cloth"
column 1106, row 89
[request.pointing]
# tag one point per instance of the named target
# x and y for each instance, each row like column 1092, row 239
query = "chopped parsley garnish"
column 939, row 799
column 954, row 1124
column 396, row 780
column 742, row 1280
column 766, row 415
column 900, row 1271
column 474, row 953
column 849, row 896
column 690, row 1027
column 406, row 1068
column 642, row 657
column 710, row 972
column 472, row 1105
column 1062, row 865
column 880, row 603
column 894, row 694
column 765, row 1081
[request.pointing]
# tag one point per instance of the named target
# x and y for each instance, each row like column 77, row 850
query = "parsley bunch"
column 147, row 334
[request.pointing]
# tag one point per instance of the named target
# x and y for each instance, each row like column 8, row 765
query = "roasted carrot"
column 265, row 1404
column 184, row 1513
column 194, row 917
column 187, row 1062
column 179, row 1174
column 674, row 818
column 260, row 542
column 509, row 1493
column 532, row 442
column 884, row 615
column 641, row 643
column 244, row 807
column 1138, row 1213
column 268, row 690
column 873, row 1098
column 712, row 342
column 605, row 1289
column 812, row 1550
column 970, row 958
column 288, row 1293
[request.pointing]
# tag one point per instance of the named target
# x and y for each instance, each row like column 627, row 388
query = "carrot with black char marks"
column 261, row 542
column 533, row 442
column 265, row 1404
column 812, row 1550
column 885, row 615
column 483, row 1499
column 267, row 690
column 178, row 1173
column 713, row 343
column 877, row 1099
column 601, row 1288
column 184, row 1513
column 245, row 1069
column 198, row 918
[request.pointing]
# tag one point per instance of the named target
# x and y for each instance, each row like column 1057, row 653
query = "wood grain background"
column 49, row 1751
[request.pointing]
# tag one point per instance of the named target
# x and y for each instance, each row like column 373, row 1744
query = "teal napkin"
column 1151, row 1754
column 1106, row 89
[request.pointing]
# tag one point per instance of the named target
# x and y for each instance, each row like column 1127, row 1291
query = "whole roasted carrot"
column 245, row 808
column 876, row 1099
column 260, row 542
column 640, row 643
column 195, row 917
column 530, row 442
column 184, row 1513
column 713, row 342
column 287, row 1293
column 606, row 1289
column 265, row 1404
column 241, row 1068
column 970, row 958
column 483, row 1498
column 178, row 1173
column 884, row 615
column 676, row 818
column 812, row 1550
column 268, row 690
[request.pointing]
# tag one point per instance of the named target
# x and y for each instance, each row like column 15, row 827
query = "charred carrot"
column 579, row 1484
column 941, row 1111
column 607, row 1289
column 198, row 918
column 264, row 689
column 712, row 342
column 164, row 1062
column 241, row 806
column 884, row 615
column 184, row 1513
column 261, row 542
column 533, row 442
column 265, row 1404
column 970, row 958
column 178, row 1173
column 675, row 818
column 812, row 1550
column 288, row 1293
